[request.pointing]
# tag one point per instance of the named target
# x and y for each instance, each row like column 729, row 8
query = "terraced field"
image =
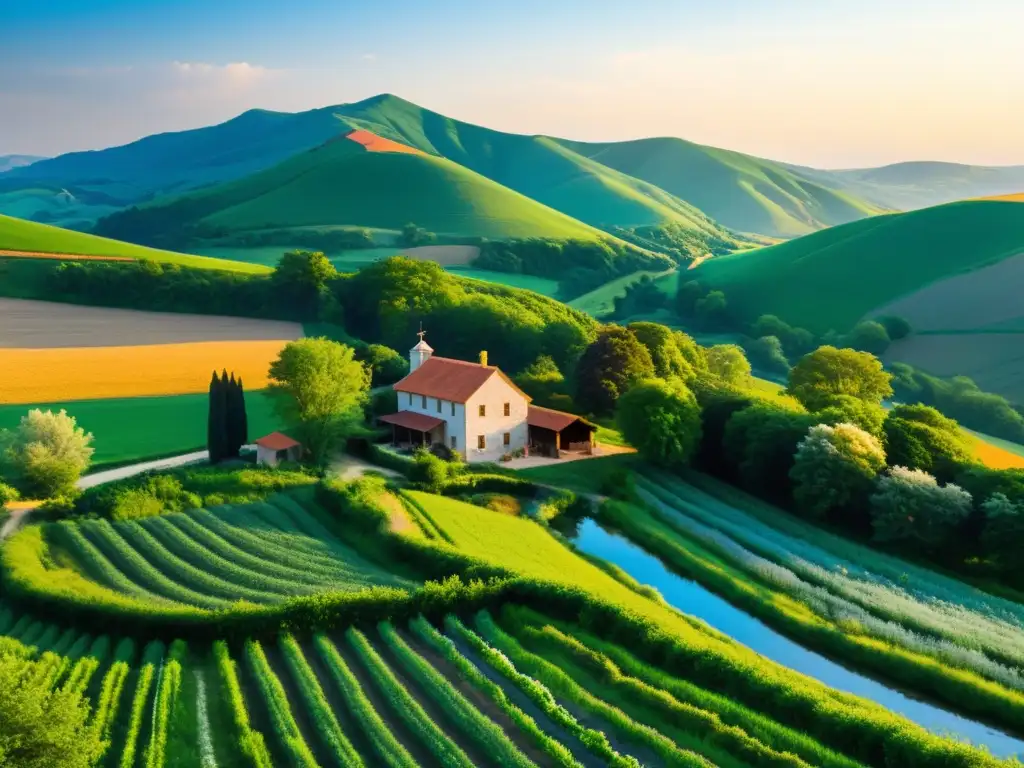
column 451, row 674
column 262, row 553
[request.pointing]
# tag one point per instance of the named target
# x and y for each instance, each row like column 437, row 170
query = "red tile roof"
column 277, row 441
column 546, row 418
column 412, row 420
column 448, row 379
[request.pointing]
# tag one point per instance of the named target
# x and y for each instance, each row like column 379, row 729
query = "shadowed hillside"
column 831, row 279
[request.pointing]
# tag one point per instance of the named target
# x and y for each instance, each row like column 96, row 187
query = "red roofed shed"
column 277, row 447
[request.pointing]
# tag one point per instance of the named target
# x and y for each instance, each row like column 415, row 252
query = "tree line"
column 826, row 449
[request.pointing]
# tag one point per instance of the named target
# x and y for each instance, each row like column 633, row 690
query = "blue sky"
column 822, row 82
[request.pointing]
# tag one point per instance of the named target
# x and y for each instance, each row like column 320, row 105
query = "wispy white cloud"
column 236, row 72
column 369, row 57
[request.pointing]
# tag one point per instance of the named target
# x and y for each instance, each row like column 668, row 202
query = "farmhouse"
column 477, row 411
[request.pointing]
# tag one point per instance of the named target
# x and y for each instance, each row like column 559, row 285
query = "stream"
column 695, row 600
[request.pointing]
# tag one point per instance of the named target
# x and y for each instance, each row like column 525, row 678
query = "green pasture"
column 137, row 428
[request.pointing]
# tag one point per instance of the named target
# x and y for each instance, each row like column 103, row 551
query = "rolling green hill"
column 831, row 279
column 20, row 235
column 742, row 192
column 341, row 183
column 539, row 167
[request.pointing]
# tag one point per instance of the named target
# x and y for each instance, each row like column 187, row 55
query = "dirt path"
column 348, row 468
column 16, row 517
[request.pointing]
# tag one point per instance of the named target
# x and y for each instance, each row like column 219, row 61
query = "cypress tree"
column 243, row 417
column 216, row 432
column 231, row 418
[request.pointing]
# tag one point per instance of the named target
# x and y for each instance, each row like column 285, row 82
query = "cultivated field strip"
column 522, row 690
column 262, row 553
column 980, row 641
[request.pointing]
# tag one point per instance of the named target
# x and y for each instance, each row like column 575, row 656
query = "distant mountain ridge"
column 922, row 184
column 7, row 162
column 709, row 192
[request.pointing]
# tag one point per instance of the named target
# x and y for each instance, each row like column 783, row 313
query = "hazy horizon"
column 814, row 83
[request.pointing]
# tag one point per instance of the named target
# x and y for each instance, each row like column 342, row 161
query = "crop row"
column 834, row 607
column 405, row 705
column 246, row 578
column 477, row 726
column 152, row 658
column 914, row 606
column 281, row 717
column 140, row 570
column 323, row 717
column 564, row 685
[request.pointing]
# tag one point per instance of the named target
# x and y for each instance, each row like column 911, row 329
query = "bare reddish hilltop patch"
column 374, row 143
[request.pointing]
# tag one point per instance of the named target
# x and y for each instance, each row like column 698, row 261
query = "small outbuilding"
column 277, row 447
column 554, row 433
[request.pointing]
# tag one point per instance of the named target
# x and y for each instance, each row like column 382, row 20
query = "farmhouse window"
column 424, row 399
column 455, row 442
column 410, row 399
column 481, row 441
column 453, row 408
column 483, row 410
column 507, row 439
column 439, row 401
column 508, row 409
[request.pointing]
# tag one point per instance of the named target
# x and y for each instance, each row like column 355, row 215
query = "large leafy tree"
column 663, row 344
column 40, row 726
column 828, row 371
column 613, row 363
column 919, row 437
column 911, row 509
column 727, row 362
column 867, row 415
column 300, row 278
column 661, row 419
column 46, row 454
column 760, row 443
column 1002, row 537
column 834, row 467
column 319, row 387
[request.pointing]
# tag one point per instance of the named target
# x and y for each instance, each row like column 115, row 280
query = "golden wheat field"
column 85, row 373
column 996, row 457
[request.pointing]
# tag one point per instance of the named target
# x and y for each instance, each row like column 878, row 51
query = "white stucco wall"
column 455, row 423
column 494, row 394
column 266, row 456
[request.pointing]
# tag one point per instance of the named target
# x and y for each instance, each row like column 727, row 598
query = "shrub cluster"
column 162, row 492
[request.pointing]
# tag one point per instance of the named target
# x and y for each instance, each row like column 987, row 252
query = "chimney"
column 483, row 358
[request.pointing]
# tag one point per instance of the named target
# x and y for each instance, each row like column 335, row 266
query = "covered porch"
column 413, row 430
column 556, row 434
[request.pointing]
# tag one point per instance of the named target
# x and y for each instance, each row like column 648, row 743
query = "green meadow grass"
column 601, row 301
column 136, row 428
column 21, row 235
column 829, row 280
column 541, row 285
